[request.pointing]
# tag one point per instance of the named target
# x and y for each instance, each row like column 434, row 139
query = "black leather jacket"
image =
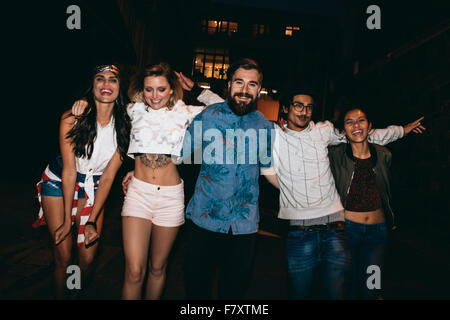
column 343, row 164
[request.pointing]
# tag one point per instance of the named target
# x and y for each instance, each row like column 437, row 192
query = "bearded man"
column 223, row 211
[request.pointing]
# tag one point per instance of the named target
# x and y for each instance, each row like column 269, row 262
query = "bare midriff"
column 369, row 217
column 158, row 169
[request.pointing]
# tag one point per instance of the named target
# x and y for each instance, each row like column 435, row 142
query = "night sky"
column 320, row 7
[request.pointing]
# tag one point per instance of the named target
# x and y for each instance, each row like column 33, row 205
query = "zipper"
column 348, row 189
column 394, row 227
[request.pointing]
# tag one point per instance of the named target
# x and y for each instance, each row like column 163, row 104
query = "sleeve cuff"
column 267, row 171
column 196, row 90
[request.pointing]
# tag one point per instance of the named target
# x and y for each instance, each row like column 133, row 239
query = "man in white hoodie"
column 317, row 244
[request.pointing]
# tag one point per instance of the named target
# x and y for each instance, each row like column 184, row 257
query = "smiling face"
column 105, row 87
column 299, row 120
column 356, row 126
column 243, row 90
column 157, row 91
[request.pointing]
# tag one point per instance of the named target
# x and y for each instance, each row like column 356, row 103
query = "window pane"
column 224, row 26
column 212, row 26
column 233, row 28
column 198, row 63
column 225, row 68
column 209, row 66
column 288, row 31
column 203, row 25
column 218, row 67
column 255, row 29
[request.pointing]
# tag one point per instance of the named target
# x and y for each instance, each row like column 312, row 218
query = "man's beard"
column 241, row 108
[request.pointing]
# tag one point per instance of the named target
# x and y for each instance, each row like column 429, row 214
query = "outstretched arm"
column 205, row 96
column 393, row 133
column 415, row 126
column 380, row 136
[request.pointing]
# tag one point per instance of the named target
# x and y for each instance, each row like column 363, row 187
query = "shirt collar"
column 110, row 123
column 296, row 133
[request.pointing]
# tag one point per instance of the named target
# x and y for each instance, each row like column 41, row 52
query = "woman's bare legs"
column 136, row 239
column 162, row 240
column 86, row 255
column 54, row 216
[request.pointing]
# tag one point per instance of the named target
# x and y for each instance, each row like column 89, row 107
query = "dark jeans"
column 368, row 246
column 318, row 254
column 207, row 251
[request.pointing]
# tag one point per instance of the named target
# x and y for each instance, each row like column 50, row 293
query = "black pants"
column 207, row 251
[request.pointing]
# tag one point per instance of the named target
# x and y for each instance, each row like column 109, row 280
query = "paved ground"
column 417, row 265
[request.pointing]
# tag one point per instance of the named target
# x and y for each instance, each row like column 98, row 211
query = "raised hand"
column 184, row 81
column 78, row 107
column 415, row 126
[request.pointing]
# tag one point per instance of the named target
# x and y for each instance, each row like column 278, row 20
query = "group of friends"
column 334, row 184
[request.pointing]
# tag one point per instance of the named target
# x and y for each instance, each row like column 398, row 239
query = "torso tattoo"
column 155, row 161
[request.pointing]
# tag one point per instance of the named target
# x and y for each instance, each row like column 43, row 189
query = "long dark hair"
column 84, row 131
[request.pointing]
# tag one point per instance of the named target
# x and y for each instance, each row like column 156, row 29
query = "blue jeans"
column 368, row 246
column 322, row 254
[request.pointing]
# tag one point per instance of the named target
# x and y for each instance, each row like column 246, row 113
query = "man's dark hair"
column 247, row 64
column 305, row 90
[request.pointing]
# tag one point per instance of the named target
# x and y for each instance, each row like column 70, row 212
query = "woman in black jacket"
column 361, row 172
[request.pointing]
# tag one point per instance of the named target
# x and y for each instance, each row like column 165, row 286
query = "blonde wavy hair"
column 136, row 91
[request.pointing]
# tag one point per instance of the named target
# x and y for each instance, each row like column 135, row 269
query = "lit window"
column 215, row 26
column 233, row 27
column 211, row 63
column 290, row 30
column 212, row 26
column 258, row 29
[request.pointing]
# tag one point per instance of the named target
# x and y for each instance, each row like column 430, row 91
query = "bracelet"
column 92, row 224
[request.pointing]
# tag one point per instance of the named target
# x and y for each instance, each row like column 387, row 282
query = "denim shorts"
column 54, row 187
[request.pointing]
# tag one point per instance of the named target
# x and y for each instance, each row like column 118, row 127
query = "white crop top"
column 162, row 131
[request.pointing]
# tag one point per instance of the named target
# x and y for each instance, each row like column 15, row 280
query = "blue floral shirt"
column 232, row 150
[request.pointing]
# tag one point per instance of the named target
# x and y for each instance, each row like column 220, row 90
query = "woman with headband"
column 153, row 208
column 75, row 185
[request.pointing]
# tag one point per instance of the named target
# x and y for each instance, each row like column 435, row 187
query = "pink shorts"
column 162, row 205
